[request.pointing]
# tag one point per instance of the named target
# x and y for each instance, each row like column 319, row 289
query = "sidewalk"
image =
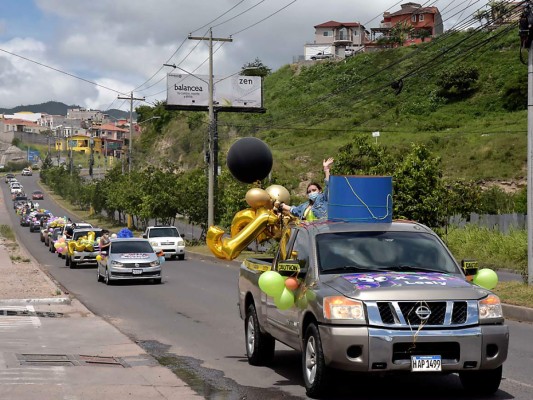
column 52, row 347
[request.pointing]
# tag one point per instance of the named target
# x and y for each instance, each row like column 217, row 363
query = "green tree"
column 361, row 157
column 462, row 198
column 495, row 200
column 481, row 15
column 231, row 198
column 255, row 68
column 457, row 81
column 192, row 199
column 418, row 188
column 423, row 34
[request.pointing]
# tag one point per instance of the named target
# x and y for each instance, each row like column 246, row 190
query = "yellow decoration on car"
column 84, row 243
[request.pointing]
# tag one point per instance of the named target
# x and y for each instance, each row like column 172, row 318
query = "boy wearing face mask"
column 316, row 206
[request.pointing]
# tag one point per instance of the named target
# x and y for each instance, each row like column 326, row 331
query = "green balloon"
column 285, row 300
column 301, row 302
column 311, row 295
column 486, row 278
column 272, row 283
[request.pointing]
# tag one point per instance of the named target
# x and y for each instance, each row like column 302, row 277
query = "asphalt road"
column 191, row 323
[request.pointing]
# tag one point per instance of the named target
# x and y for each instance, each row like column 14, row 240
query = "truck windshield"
column 78, row 235
column 383, row 251
column 163, row 232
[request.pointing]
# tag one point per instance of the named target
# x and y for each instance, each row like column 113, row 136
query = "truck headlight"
column 490, row 307
column 154, row 243
column 340, row 307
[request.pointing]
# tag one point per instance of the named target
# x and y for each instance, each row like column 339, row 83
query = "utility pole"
column 530, row 165
column 130, row 98
column 526, row 39
column 211, row 145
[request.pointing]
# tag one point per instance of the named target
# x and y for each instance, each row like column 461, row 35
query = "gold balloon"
column 279, row 193
column 229, row 248
column 241, row 219
column 257, row 198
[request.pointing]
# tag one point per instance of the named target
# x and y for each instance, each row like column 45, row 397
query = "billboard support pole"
column 211, row 145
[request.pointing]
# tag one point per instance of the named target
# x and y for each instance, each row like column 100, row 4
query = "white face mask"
column 312, row 196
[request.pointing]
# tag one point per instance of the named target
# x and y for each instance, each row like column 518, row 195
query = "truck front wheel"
column 259, row 346
column 481, row 382
column 314, row 367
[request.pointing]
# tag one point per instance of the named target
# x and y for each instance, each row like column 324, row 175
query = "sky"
column 88, row 53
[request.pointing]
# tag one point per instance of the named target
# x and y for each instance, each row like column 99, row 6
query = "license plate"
column 137, row 271
column 425, row 363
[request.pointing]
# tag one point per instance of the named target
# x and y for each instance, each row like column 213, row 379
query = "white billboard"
column 188, row 91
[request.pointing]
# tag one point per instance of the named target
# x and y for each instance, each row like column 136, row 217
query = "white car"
column 26, row 172
column 166, row 239
column 16, row 189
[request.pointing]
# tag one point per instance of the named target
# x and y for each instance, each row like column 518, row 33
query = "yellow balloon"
column 279, row 193
column 98, row 257
column 257, row 198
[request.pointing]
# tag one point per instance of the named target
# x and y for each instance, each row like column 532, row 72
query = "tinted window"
column 383, row 250
column 131, row 247
column 163, row 232
column 300, row 249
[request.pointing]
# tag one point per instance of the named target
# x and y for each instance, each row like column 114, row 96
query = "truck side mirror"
column 145, row 236
column 470, row 268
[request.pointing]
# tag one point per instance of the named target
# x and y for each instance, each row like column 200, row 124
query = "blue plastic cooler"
column 360, row 198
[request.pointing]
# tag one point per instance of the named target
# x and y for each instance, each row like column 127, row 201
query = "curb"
column 518, row 313
column 50, row 300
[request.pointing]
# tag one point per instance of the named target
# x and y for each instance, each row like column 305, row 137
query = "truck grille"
column 426, row 313
column 449, row 351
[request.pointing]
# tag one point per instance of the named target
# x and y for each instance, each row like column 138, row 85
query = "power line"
column 264, row 19
column 61, row 71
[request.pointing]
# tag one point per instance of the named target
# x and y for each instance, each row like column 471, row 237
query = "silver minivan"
column 129, row 258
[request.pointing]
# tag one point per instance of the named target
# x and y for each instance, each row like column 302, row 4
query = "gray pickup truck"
column 321, row 56
column 374, row 298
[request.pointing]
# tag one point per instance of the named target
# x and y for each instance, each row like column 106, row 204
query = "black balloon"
column 249, row 160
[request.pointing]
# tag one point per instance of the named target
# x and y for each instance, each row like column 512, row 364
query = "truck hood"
column 381, row 286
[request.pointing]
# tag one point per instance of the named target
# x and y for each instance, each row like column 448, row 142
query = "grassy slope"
column 313, row 110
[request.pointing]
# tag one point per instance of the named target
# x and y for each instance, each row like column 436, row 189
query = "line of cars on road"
column 126, row 257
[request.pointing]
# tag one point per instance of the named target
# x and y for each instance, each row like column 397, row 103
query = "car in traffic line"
column 129, row 259
column 166, row 239
column 37, row 221
column 37, row 195
column 9, row 177
column 26, row 172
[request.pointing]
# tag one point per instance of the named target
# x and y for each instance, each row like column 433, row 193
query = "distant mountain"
column 119, row 114
column 57, row 108
column 51, row 107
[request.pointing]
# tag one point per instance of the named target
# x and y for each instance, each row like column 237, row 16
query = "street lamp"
column 149, row 119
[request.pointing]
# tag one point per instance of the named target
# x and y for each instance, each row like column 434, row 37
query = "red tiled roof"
column 111, row 127
column 17, row 121
column 335, row 24
column 418, row 10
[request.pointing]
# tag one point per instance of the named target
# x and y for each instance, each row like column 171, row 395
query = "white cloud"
column 120, row 44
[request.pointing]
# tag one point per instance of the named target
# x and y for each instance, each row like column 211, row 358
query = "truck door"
column 286, row 322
